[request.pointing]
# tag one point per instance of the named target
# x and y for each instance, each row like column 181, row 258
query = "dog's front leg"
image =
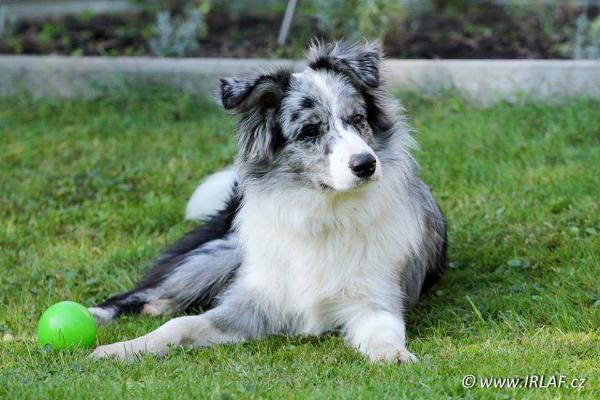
column 195, row 331
column 380, row 335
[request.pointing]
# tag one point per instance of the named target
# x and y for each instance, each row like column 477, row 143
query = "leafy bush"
column 7, row 23
column 586, row 40
column 177, row 35
column 356, row 19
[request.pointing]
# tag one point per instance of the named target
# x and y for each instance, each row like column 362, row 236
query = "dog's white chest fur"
column 312, row 260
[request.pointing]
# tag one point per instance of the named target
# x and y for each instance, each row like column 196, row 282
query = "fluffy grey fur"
column 328, row 227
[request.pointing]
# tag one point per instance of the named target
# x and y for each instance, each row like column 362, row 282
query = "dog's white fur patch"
column 379, row 335
column 324, row 259
column 158, row 307
column 102, row 315
column 211, row 195
column 347, row 145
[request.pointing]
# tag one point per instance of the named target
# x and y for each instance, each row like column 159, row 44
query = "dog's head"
column 322, row 127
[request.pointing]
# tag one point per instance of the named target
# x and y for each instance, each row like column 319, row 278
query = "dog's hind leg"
column 194, row 279
column 191, row 273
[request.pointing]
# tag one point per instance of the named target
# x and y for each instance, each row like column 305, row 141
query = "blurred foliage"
column 248, row 28
column 356, row 19
column 7, row 23
column 586, row 40
column 177, row 36
column 179, row 24
column 255, row 7
column 577, row 27
column 549, row 14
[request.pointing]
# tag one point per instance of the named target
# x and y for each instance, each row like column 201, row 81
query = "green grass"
column 91, row 191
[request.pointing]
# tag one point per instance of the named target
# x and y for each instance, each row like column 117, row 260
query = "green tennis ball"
column 67, row 325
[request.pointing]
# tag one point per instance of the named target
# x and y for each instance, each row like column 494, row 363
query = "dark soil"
column 483, row 31
column 113, row 35
column 98, row 35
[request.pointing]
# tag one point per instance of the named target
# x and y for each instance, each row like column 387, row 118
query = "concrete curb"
column 483, row 81
column 488, row 81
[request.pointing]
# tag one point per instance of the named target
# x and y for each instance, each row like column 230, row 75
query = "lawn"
column 91, row 191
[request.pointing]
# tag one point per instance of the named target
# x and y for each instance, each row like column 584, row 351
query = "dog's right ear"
column 255, row 98
column 255, row 91
column 360, row 61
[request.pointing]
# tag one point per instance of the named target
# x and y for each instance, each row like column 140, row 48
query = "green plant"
column 7, row 23
column 415, row 7
column 586, row 39
column 49, row 33
column 539, row 11
column 356, row 19
column 177, row 36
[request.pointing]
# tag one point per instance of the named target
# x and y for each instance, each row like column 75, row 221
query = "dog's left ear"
column 360, row 61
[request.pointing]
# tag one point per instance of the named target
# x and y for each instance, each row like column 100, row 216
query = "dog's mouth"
column 361, row 183
column 357, row 184
column 326, row 188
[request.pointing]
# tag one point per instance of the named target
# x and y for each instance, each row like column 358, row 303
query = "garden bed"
column 477, row 31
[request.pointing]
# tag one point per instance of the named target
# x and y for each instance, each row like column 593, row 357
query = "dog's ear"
column 256, row 99
column 360, row 61
column 255, row 91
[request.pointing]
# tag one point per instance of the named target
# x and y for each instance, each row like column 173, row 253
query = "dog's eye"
column 357, row 119
column 310, row 131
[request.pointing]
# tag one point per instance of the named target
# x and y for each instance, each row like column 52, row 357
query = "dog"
column 321, row 226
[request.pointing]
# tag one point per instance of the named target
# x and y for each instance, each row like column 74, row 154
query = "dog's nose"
column 363, row 165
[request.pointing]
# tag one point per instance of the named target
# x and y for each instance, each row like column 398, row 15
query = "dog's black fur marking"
column 307, row 102
column 325, row 63
column 257, row 100
column 436, row 244
column 235, row 91
column 279, row 139
column 214, row 228
column 439, row 266
column 359, row 64
column 376, row 117
column 436, row 225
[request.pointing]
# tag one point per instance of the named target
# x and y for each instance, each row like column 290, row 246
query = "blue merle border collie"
column 322, row 225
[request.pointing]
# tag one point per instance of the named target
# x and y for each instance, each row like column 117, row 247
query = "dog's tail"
column 191, row 273
column 212, row 194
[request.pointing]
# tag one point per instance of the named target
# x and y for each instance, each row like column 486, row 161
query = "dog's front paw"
column 118, row 351
column 115, row 350
column 390, row 353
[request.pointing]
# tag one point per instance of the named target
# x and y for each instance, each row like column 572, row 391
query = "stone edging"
column 483, row 81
